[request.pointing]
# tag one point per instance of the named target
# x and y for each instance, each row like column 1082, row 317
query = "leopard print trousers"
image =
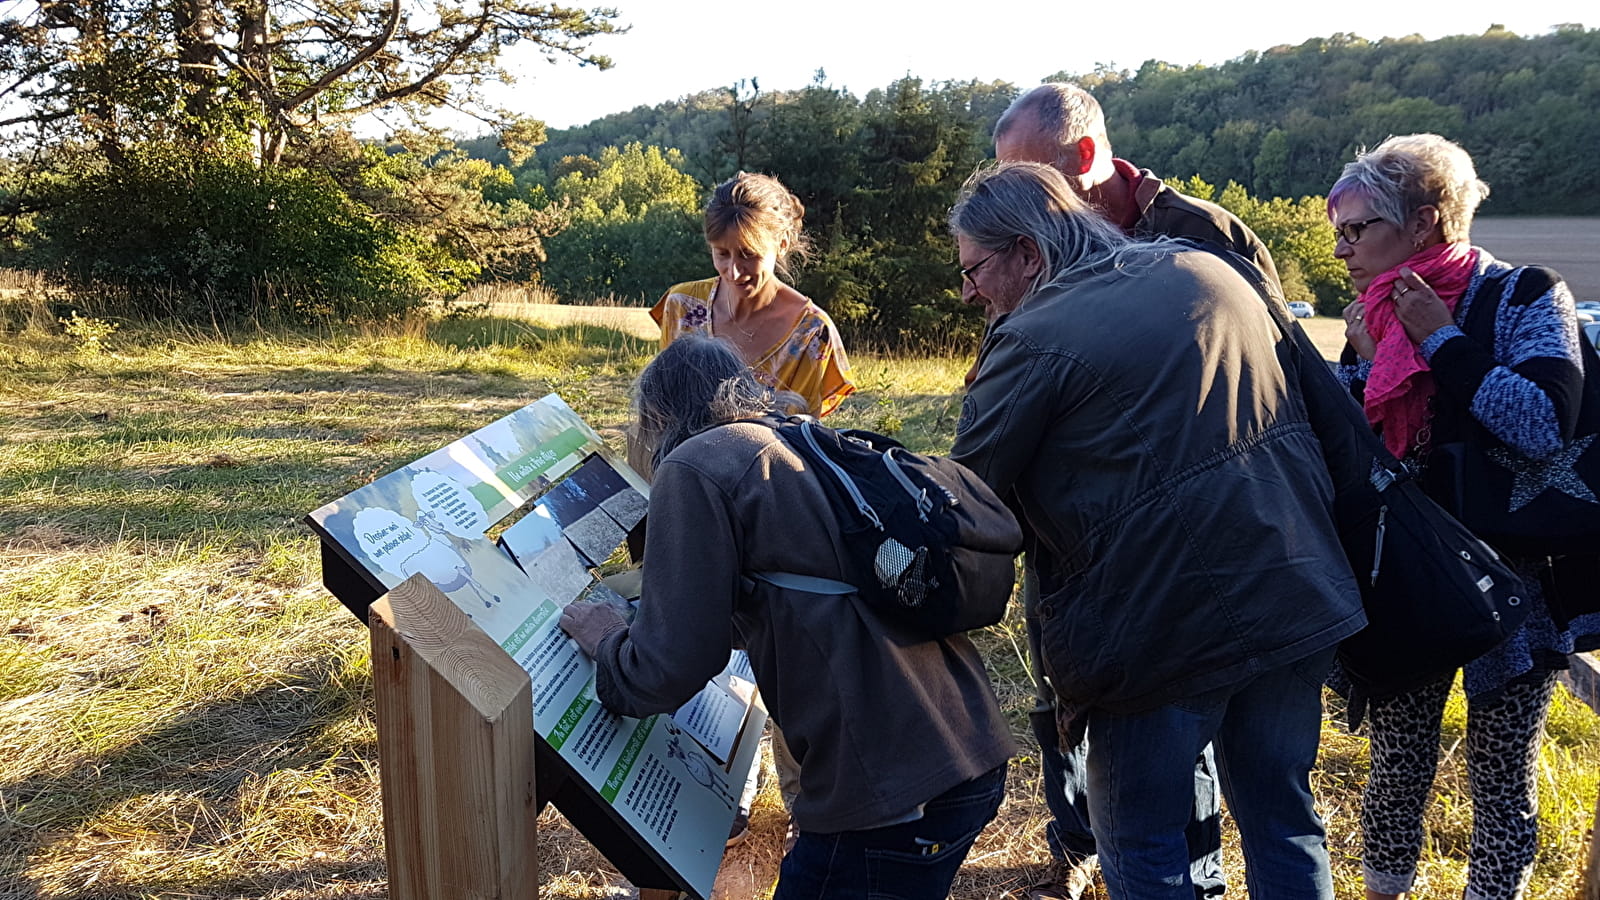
column 1504, row 731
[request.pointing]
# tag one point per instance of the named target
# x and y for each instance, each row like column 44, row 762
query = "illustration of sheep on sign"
column 406, row 547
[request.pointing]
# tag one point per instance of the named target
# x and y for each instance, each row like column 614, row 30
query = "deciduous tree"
column 634, row 227
column 113, row 73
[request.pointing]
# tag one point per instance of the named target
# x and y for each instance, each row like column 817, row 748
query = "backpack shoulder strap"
column 811, row 584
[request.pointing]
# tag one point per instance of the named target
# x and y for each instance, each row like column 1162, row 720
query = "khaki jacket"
column 1178, row 503
column 1164, row 211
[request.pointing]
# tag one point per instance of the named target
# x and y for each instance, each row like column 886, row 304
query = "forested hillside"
column 1280, row 122
column 163, row 174
column 1273, row 127
column 1283, row 121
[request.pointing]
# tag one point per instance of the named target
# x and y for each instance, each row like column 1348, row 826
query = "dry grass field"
column 533, row 304
column 186, row 713
column 1327, row 332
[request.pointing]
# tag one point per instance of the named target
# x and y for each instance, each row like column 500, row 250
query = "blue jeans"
column 916, row 860
column 1066, row 784
column 1266, row 732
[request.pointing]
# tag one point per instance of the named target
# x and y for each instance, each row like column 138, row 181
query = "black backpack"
column 930, row 544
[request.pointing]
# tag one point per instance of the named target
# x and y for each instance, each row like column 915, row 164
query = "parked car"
column 1591, row 333
column 1592, row 307
column 1301, row 309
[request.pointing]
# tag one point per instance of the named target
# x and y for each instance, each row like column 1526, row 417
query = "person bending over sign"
column 901, row 743
column 753, row 228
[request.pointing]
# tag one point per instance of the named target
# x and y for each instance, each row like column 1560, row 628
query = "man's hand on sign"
column 589, row 623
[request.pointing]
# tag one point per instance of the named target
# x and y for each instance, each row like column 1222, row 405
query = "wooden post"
column 456, row 745
column 1583, row 679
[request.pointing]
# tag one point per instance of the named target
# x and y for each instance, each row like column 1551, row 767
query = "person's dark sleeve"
column 1353, row 372
column 682, row 633
column 1225, row 229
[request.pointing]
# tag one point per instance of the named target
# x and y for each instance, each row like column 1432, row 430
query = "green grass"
column 184, row 711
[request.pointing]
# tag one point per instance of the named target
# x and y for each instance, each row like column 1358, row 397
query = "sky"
column 679, row 47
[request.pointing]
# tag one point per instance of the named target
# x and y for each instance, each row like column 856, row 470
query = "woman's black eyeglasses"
column 1351, row 231
column 966, row 271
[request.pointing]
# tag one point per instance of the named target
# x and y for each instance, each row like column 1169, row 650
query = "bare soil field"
column 1571, row 246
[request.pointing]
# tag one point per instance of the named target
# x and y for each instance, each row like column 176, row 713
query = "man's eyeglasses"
column 966, row 271
column 1351, row 231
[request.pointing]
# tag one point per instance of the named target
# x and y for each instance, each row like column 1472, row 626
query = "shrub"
column 634, row 227
column 214, row 236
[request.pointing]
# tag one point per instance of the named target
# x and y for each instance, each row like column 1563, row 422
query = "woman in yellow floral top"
column 753, row 227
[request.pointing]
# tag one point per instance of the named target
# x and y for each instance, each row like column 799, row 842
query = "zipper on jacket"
column 1377, row 549
column 918, row 495
column 844, row 478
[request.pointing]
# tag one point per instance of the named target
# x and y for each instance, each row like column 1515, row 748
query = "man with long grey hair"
column 1062, row 126
column 1132, row 397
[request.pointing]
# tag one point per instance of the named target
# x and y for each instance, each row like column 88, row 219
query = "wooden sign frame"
column 650, row 797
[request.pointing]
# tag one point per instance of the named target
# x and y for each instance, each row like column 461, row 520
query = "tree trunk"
column 198, row 55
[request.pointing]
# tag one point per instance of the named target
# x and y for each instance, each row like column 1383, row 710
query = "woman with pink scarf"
column 1403, row 212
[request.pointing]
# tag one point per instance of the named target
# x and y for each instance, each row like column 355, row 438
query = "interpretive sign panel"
column 671, row 783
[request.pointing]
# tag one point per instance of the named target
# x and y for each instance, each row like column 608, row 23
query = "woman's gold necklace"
column 737, row 327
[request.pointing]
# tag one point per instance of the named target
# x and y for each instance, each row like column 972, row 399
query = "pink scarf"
column 1401, row 384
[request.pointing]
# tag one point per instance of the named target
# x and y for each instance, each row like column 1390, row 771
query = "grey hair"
column 1404, row 174
column 1000, row 204
column 1063, row 112
column 695, row 383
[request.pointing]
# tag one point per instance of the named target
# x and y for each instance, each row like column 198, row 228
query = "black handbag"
column 1524, row 507
column 1436, row 596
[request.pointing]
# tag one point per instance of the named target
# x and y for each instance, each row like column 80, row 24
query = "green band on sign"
column 570, row 719
column 488, row 495
column 514, row 644
column 630, row 753
column 521, row 471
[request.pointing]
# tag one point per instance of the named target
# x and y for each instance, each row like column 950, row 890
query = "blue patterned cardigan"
column 1525, row 390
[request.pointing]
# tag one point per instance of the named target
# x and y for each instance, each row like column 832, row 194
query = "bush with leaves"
column 213, row 236
column 634, row 227
column 472, row 209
